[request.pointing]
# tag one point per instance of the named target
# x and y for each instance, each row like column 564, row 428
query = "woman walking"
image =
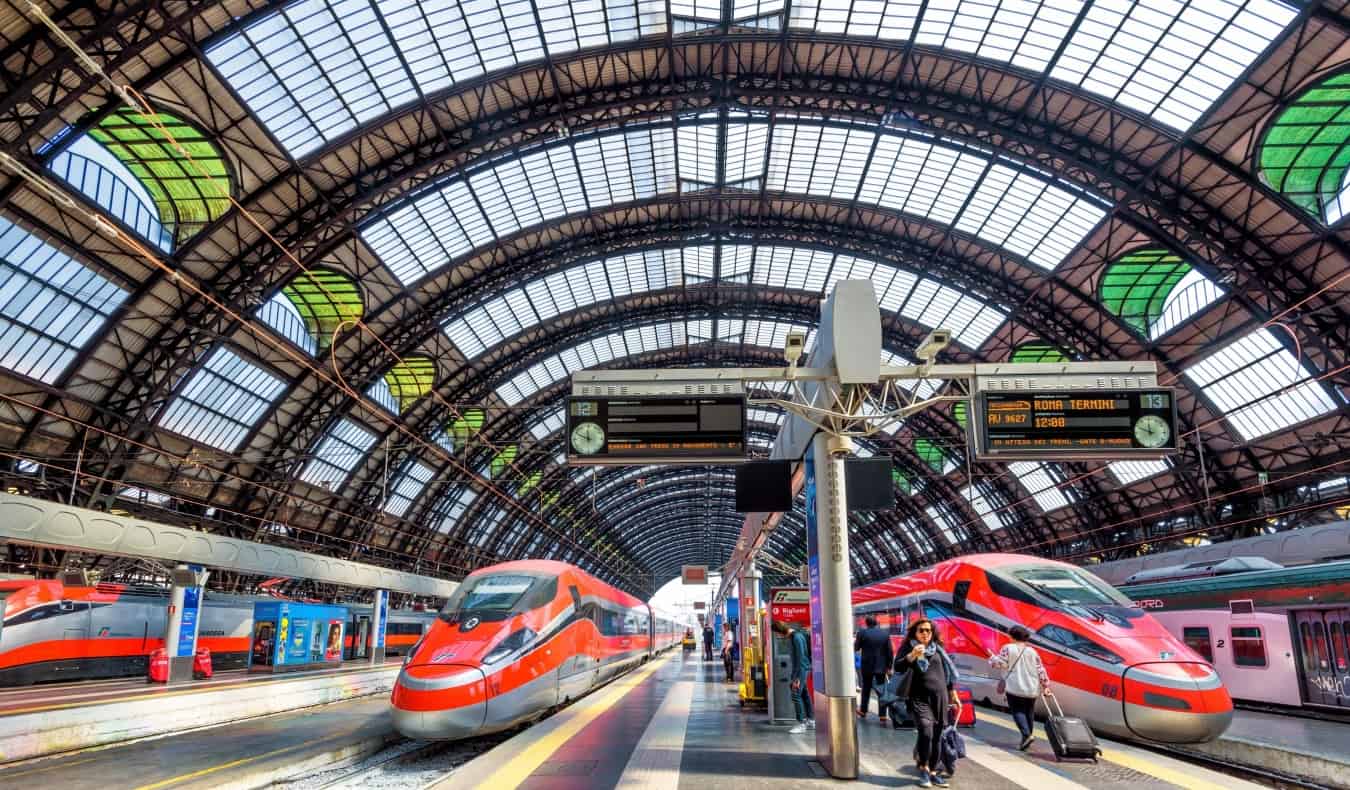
column 931, row 692
column 1024, row 680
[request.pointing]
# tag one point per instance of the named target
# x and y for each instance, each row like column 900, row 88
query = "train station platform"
column 675, row 725
column 38, row 721
column 671, row 725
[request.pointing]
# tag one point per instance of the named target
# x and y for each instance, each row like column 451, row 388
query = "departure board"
column 1076, row 425
column 655, row 429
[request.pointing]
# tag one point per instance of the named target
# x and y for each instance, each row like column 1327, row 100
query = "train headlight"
column 517, row 641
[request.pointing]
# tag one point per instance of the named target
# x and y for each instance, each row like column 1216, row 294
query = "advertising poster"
column 813, row 566
column 384, row 617
column 187, row 626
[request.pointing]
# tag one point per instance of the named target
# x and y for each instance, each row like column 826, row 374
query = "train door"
column 1324, row 656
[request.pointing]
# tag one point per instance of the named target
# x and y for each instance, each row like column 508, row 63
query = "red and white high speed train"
column 54, row 632
column 516, row 640
column 1108, row 661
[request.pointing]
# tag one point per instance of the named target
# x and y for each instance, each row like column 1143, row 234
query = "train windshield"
column 1071, row 587
column 499, row 594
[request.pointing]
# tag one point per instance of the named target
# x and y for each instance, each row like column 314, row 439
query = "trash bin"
column 201, row 664
column 158, row 670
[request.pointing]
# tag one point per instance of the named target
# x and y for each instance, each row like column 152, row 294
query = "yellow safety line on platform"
column 236, row 763
column 1140, row 764
column 528, row 761
column 192, row 690
column 31, row 771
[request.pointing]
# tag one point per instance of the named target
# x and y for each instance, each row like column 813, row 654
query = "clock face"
column 588, row 438
column 1152, row 431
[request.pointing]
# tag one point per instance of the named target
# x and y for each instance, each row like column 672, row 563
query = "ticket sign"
column 1079, row 425
column 790, row 605
column 694, row 574
column 655, row 429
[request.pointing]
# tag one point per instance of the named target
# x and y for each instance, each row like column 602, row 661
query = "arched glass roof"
column 1008, row 205
column 317, row 69
column 921, row 299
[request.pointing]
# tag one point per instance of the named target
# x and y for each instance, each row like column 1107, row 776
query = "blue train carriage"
column 289, row 635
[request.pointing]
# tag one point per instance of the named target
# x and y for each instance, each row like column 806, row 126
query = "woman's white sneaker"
column 797, row 729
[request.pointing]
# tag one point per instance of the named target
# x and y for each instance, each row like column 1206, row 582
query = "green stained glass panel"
column 324, row 299
column 1037, row 352
column 930, row 453
column 1136, row 285
column 466, row 425
column 959, row 413
column 902, row 482
column 411, row 379
column 1306, row 151
column 189, row 190
column 502, row 461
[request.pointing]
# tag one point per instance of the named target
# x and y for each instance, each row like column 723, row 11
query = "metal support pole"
column 831, row 613
column 752, row 666
column 180, row 632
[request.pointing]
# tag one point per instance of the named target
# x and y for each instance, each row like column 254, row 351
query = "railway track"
column 403, row 765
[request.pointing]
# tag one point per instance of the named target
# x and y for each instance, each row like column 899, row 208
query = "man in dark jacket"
column 800, row 672
column 874, row 644
column 707, row 643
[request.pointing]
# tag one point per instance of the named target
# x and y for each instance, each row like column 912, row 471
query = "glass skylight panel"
column 547, row 425
column 797, row 268
column 699, row 153
column 1260, row 386
column 50, row 305
column 451, row 508
column 446, row 222
column 745, row 150
column 1029, row 217
column 1127, row 472
column 886, row 19
column 590, row 353
column 818, row 160
column 916, row 177
column 981, row 504
column 1193, row 293
column 1169, row 59
column 759, row 414
column 337, row 454
column 380, row 392
column 222, row 401
column 1025, row 34
column 1037, row 479
column 429, row 232
column 314, row 70
column 407, row 487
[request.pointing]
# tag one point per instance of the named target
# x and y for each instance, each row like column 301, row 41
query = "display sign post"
column 831, row 612
column 1082, row 425
column 655, row 429
column 184, row 620
column 380, row 612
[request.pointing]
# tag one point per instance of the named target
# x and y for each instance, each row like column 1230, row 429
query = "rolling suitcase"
column 966, row 716
column 1069, row 736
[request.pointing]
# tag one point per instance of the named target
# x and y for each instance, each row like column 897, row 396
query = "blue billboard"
column 187, row 624
column 813, row 573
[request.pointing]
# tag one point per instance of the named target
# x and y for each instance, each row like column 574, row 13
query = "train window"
column 959, row 593
column 1338, row 646
column 1004, row 588
column 1079, row 643
column 498, row 592
column 1320, row 644
column 1197, row 639
column 1305, row 637
column 1069, row 586
column 1249, row 647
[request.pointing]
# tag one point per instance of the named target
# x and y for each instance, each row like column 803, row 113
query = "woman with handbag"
column 1024, row 680
column 932, row 689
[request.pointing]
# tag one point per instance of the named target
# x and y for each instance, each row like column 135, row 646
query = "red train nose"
column 1176, row 702
column 439, row 701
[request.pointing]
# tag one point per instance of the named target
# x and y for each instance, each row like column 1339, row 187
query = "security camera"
column 794, row 346
column 933, row 344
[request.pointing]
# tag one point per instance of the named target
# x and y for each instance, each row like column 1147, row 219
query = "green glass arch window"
column 901, row 481
column 466, row 425
column 411, row 379
column 502, row 461
column 1136, row 285
column 931, row 454
column 1037, row 351
column 959, row 413
column 1305, row 151
column 324, row 299
column 190, row 187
